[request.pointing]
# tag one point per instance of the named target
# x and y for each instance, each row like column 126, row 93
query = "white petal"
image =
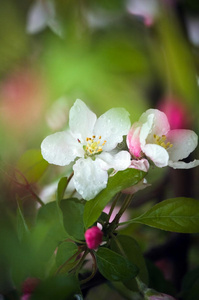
column 119, row 161
column 146, row 130
column 183, row 165
column 157, row 154
column 111, row 126
column 160, row 123
column 122, row 160
column 183, row 141
column 81, row 120
column 61, row 148
column 37, row 18
column 89, row 178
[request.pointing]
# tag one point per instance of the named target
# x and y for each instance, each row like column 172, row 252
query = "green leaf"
column 62, row 185
column 65, row 251
column 72, row 210
column 22, row 228
column 30, row 167
column 114, row 266
column 45, row 237
column 177, row 215
column 129, row 248
column 190, row 285
column 59, row 288
column 120, row 181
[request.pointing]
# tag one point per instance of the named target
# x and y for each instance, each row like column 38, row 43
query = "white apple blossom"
column 89, row 142
column 151, row 137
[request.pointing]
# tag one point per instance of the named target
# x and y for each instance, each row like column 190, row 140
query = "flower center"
column 94, row 146
column 161, row 141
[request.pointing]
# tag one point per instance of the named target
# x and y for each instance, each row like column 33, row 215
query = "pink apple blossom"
column 152, row 138
column 93, row 237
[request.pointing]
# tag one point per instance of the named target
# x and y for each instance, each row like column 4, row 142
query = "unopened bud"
column 93, row 237
column 28, row 287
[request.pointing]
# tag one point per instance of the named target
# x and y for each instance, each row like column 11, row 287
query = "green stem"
column 113, row 205
column 94, row 269
column 35, row 196
column 79, row 265
column 118, row 245
column 70, row 177
column 28, row 187
column 67, row 261
column 125, row 205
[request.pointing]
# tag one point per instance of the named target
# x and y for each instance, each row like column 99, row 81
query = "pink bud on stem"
column 93, row 237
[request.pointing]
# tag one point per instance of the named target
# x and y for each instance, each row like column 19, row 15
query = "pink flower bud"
column 28, row 287
column 93, row 237
column 176, row 113
column 161, row 297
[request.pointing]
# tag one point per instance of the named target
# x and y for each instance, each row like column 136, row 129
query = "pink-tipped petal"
column 142, row 164
column 160, row 122
column 133, row 140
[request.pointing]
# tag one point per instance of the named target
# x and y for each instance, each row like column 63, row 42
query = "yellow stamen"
column 160, row 140
column 94, row 146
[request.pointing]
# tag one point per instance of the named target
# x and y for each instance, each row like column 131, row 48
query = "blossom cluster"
column 92, row 145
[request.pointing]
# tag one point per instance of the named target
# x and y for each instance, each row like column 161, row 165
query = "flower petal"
column 133, row 140
column 119, row 161
column 184, row 141
column 142, row 165
column 184, row 165
column 160, row 123
column 89, row 178
column 81, row 120
column 146, row 130
column 111, row 126
column 37, row 17
column 61, row 148
column 157, row 154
